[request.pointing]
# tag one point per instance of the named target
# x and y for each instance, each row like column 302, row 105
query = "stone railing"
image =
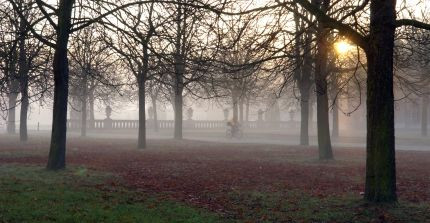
column 187, row 124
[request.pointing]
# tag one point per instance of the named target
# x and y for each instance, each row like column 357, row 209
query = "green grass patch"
column 297, row 206
column 32, row 194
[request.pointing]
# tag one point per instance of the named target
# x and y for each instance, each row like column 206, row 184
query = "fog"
column 280, row 127
column 214, row 111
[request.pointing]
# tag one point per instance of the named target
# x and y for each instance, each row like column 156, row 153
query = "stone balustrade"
column 187, row 124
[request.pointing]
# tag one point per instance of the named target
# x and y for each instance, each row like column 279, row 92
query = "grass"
column 184, row 180
column 32, row 194
column 297, row 206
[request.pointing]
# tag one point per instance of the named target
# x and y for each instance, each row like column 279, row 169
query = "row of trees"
column 204, row 50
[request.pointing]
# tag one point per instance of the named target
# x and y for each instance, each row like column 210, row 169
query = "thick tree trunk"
column 11, row 120
column 424, row 115
column 321, row 72
column 141, row 142
column 57, row 152
column 380, row 164
column 323, row 127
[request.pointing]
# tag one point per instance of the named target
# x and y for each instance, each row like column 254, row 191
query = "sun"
column 342, row 47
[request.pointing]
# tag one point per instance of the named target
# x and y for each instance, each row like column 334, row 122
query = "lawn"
column 192, row 181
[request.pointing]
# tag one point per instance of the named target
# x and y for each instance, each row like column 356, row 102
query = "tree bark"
column 247, row 110
column 91, row 109
column 335, row 123
column 335, row 114
column 84, row 102
column 154, row 106
column 11, row 120
column 424, row 115
column 321, row 72
column 235, row 101
column 178, row 111
column 180, row 58
column 302, row 76
column 23, row 81
column 304, row 87
column 241, row 110
column 23, row 133
column 304, row 115
column 380, row 164
column 57, row 152
column 141, row 140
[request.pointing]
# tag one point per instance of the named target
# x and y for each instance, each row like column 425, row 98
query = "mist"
column 214, row 111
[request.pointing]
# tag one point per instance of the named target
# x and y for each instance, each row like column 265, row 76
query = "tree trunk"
column 11, row 126
column 235, row 101
column 23, row 133
column 23, row 82
column 57, row 152
column 304, row 116
column 302, row 75
column 241, row 110
column 311, row 110
column 141, row 140
column 178, row 112
column 91, row 104
column 335, row 121
column 84, row 103
column 305, row 86
column 380, row 164
column 321, row 72
column 424, row 114
column 154, row 106
column 247, row 110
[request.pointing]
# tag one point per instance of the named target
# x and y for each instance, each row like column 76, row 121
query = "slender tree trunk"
column 424, row 115
column 311, row 109
column 304, row 115
column 178, row 112
column 91, row 104
column 235, row 100
column 302, row 76
column 241, row 110
column 305, row 103
column 380, row 164
column 180, row 59
column 141, row 144
column 11, row 120
column 335, row 114
column 84, row 103
column 247, row 110
column 23, row 82
column 23, row 133
column 321, row 72
column 154, row 106
column 57, row 152
column 335, row 121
